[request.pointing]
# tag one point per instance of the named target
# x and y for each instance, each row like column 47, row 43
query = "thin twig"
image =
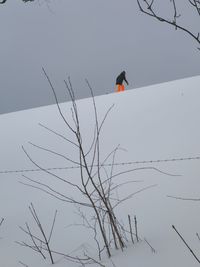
column 185, row 243
column 152, row 249
column 182, row 198
column 130, row 227
column 25, row 265
column 136, row 229
column 2, row 220
column 198, row 236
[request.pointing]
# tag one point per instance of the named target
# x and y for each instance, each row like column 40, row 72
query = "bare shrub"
column 96, row 187
column 39, row 242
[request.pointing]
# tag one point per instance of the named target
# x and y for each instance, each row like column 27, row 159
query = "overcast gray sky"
column 90, row 39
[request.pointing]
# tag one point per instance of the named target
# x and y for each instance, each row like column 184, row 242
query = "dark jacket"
column 121, row 78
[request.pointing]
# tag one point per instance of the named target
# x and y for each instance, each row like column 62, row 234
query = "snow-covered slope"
column 152, row 123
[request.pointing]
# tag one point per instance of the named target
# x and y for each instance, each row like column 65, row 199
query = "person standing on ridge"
column 119, row 81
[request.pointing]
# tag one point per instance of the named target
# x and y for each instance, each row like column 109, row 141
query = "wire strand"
column 105, row 165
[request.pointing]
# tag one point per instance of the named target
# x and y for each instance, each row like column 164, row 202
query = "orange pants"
column 120, row 87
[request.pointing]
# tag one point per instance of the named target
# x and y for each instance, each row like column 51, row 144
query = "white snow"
column 150, row 123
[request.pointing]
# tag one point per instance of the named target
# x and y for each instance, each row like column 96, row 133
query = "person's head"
column 123, row 72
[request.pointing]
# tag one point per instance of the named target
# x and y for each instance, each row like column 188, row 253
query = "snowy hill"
column 158, row 122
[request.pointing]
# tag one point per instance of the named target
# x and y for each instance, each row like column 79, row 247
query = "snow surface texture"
column 150, row 123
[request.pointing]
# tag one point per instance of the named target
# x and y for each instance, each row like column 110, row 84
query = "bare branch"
column 48, row 172
column 55, row 153
column 2, row 220
column 131, row 195
column 54, row 219
column 149, row 11
column 44, row 241
column 56, row 99
column 196, row 5
column 182, row 198
column 60, row 135
column 152, row 249
column 185, row 243
column 130, row 227
column 25, row 265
